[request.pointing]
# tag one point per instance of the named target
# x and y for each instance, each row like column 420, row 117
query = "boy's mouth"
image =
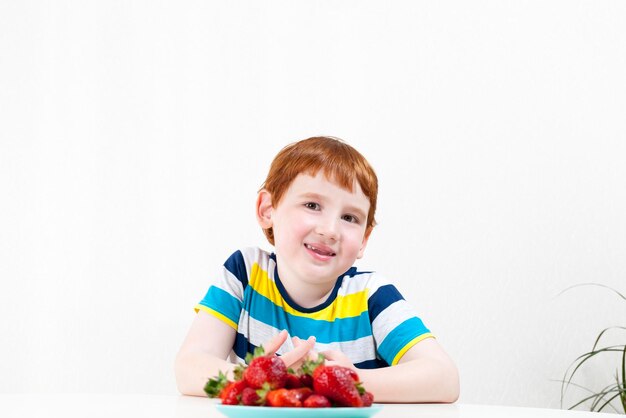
column 321, row 251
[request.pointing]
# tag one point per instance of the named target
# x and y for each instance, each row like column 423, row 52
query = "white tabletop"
column 161, row 406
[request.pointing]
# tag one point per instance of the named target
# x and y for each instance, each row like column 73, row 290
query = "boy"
column 317, row 209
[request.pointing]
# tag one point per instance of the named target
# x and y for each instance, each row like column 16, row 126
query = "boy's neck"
column 306, row 295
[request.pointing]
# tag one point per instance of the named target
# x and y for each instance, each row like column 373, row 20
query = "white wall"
column 134, row 136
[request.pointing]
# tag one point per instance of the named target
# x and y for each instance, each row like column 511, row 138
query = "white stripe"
column 359, row 350
column 230, row 284
column 255, row 331
column 360, row 282
column 390, row 318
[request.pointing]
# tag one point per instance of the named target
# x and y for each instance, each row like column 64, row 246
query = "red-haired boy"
column 317, row 209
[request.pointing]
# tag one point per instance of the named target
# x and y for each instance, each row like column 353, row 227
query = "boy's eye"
column 350, row 218
column 312, row 205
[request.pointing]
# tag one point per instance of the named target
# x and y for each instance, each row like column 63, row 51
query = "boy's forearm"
column 419, row 380
column 193, row 369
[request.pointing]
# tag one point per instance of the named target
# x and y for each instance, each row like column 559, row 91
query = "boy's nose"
column 328, row 229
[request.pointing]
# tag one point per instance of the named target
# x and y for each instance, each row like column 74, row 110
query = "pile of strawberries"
column 266, row 381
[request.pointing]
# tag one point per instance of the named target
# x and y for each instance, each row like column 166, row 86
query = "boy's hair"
column 338, row 161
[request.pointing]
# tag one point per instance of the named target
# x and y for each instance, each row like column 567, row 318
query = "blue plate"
column 236, row 411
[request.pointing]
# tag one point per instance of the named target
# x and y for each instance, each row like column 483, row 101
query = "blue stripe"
column 237, row 266
column 341, row 329
column 222, row 302
column 401, row 336
column 371, row 364
column 381, row 299
column 242, row 346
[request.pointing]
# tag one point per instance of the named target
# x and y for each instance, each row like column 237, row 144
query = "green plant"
column 602, row 398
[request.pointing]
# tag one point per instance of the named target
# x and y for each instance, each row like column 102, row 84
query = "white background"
column 134, row 136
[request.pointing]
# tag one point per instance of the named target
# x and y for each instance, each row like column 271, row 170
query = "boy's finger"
column 313, row 355
column 274, row 344
column 299, row 351
column 336, row 356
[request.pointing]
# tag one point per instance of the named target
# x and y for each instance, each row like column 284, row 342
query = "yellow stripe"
column 410, row 344
column 342, row 307
column 217, row 315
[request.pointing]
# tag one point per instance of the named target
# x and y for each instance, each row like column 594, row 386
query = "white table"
column 172, row 406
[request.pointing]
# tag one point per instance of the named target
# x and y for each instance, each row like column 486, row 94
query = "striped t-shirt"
column 365, row 316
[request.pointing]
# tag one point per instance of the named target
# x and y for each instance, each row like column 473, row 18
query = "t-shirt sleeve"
column 224, row 299
column 395, row 324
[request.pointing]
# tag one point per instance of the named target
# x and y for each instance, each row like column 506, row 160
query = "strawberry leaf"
column 238, row 371
column 214, row 386
column 308, row 366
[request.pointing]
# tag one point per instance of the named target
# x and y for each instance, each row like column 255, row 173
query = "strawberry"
column 339, row 384
column 283, row 398
column 250, row 397
column 301, row 393
column 231, row 395
column 293, row 381
column 368, row 399
column 316, row 401
column 266, row 369
column 306, row 380
column 306, row 371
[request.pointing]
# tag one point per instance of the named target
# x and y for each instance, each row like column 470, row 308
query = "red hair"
column 337, row 160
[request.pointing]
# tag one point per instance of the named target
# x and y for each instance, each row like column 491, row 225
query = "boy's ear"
column 366, row 238
column 264, row 209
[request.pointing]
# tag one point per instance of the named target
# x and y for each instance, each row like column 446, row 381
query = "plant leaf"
column 588, row 390
column 572, row 384
column 586, row 356
column 570, row 372
column 579, row 362
column 595, row 395
column 608, row 402
column 605, row 391
column 623, row 389
column 601, row 394
column 602, row 333
column 592, row 284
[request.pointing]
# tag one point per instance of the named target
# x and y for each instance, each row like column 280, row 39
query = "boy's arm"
column 424, row 374
column 203, row 354
column 206, row 348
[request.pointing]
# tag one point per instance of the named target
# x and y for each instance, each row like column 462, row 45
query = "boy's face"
column 319, row 228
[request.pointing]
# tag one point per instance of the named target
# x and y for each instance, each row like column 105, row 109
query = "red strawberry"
column 283, row 398
column 307, row 369
column 339, row 384
column 306, row 380
column 316, row 401
column 301, row 393
column 368, row 399
column 266, row 369
column 250, row 397
column 231, row 394
column 293, row 381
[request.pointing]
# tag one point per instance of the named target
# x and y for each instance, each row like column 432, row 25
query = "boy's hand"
column 337, row 358
column 294, row 357
column 311, row 355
